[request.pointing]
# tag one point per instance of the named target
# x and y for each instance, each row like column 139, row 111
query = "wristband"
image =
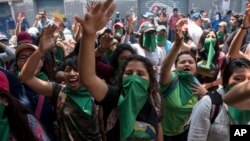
column 242, row 27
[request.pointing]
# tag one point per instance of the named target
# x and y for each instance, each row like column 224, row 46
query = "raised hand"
column 47, row 39
column 106, row 41
column 246, row 20
column 180, row 27
column 97, row 17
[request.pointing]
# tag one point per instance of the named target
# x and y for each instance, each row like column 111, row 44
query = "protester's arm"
column 95, row 19
column 36, row 21
column 159, row 133
column 234, row 49
column 170, row 59
column 8, row 53
column 239, row 96
column 18, row 24
column 28, row 71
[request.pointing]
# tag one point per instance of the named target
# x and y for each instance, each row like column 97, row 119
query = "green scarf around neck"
column 161, row 40
column 149, row 42
column 241, row 117
column 81, row 97
column 40, row 75
column 4, row 125
column 186, row 80
column 133, row 97
column 209, row 45
column 233, row 28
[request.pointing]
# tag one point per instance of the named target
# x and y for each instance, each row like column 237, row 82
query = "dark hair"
column 70, row 60
column 218, row 13
column 231, row 67
column 153, row 84
column 201, row 48
column 185, row 52
column 239, row 19
column 175, row 9
column 120, row 49
column 17, row 118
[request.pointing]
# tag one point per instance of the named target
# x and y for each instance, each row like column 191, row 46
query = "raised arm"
column 29, row 69
column 239, row 96
column 96, row 18
column 170, row 59
column 234, row 49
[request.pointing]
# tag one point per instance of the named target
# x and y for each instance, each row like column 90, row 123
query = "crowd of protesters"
column 176, row 78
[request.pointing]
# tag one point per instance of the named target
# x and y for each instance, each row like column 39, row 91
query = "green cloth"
column 241, row 117
column 133, row 97
column 178, row 104
column 233, row 28
column 59, row 54
column 4, row 125
column 161, row 40
column 209, row 45
column 119, row 31
column 81, row 97
column 42, row 76
column 149, row 42
column 220, row 35
column 109, row 53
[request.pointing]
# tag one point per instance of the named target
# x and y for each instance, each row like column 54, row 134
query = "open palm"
column 47, row 39
column 97, row 17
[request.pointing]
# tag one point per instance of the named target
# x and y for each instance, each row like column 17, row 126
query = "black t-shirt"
column 147, row 113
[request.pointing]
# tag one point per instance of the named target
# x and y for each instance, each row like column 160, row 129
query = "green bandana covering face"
column 220, row 35
column 4, row 125
column 118, row 31
column 81, row 98
column 241, row 117
column 209, row 45
column 133, row 97
column 149, row 42
column 161, row 40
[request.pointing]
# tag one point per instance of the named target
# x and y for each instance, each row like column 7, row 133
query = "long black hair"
column 17, row 117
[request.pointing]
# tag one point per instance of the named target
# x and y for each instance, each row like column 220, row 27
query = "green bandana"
column 149, row 42
column 4, row 125
column 42, row 76
column 209, row 51
column 133, row 97
column 161, row 40
column 220, row 35
column 81, row 98
column 241, row 117
column 109, row 53
column 118, row 31
column 184, row 81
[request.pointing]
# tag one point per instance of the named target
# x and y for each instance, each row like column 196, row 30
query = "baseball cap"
column 146, row 26
column 196, row 16
column 3, row 37
column 25, row 46
column 161, row 27
column 222, row 24
column 4, row 83
column 23, row 37
column 103, row 30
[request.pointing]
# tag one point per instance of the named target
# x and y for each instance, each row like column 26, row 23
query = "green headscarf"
column 4, row 125
column 241, row 117
column 81, row 98
column 209, row 45
column 161, row 40
column 133, row 97
column 149, row 42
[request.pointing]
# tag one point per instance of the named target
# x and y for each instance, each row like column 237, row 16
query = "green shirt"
column 178, row 104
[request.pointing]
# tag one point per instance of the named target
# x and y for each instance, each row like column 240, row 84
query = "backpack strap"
column 217, row 101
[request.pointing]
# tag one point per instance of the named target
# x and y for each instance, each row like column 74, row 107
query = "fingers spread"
column 111, row 10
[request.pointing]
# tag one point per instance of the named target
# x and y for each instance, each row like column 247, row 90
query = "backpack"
column 217, row 102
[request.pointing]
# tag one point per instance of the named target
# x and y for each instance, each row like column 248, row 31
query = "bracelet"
column 242, row 27
column 99, row 50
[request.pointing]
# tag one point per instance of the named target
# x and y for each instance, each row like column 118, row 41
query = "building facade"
column 69, row 8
